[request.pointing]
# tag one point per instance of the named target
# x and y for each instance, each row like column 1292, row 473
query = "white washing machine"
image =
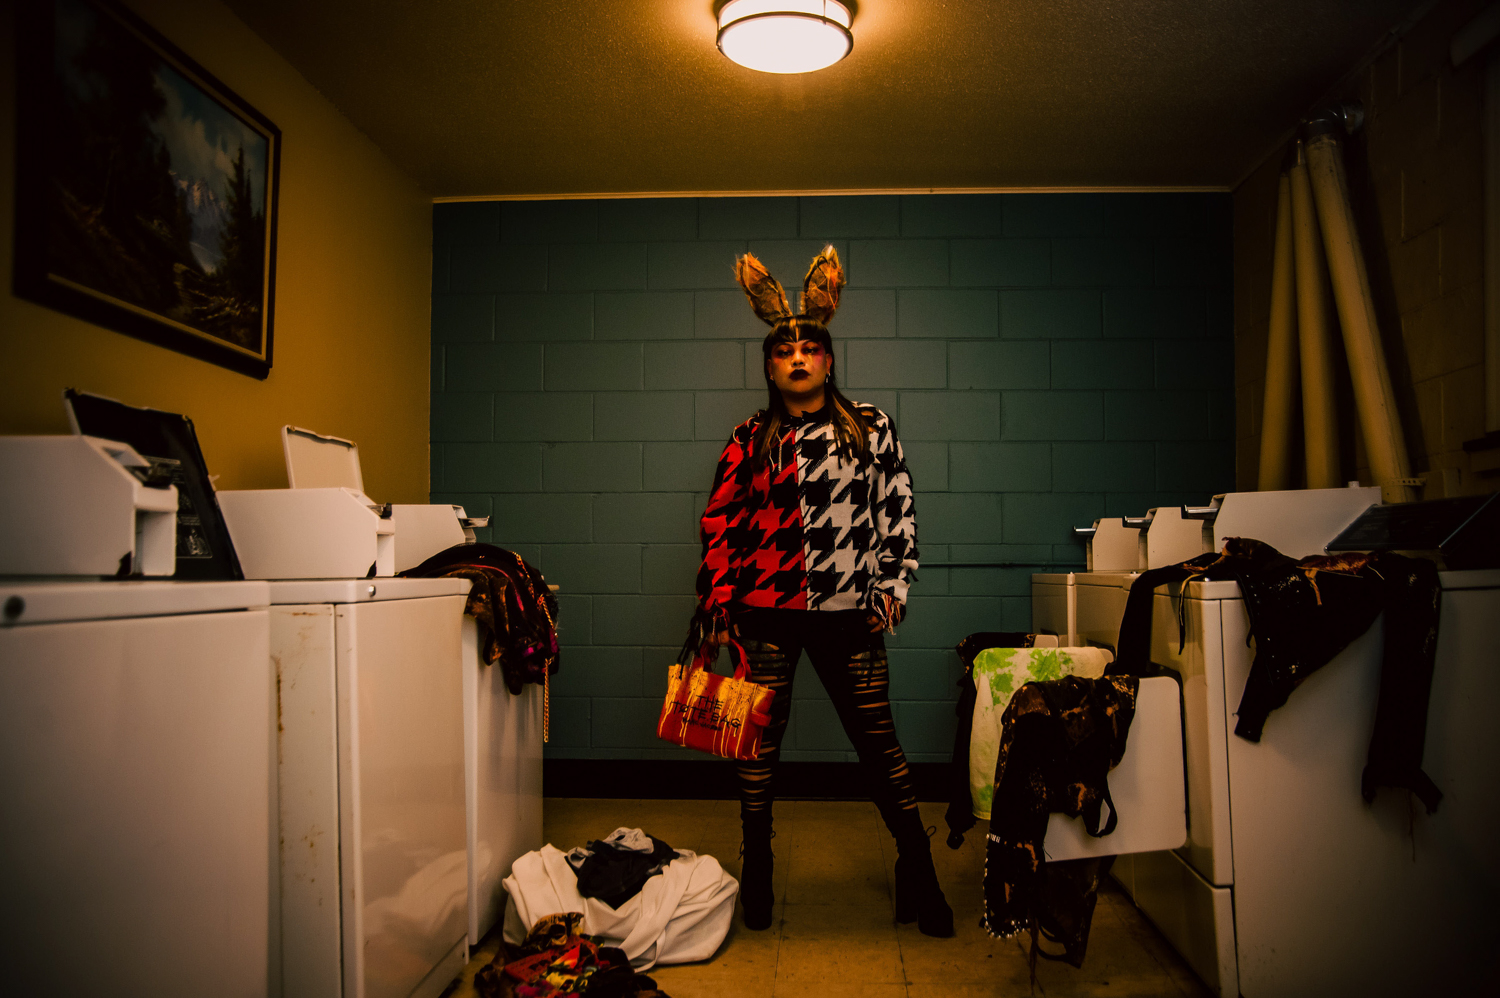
column 135, row 761
column 374, row 860
column 502, row 780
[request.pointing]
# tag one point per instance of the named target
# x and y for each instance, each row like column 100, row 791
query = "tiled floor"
column 834, row 934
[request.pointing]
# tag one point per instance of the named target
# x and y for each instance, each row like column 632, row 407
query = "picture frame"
column 146, row 190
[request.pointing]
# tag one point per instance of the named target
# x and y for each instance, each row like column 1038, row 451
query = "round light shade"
column 785, row 36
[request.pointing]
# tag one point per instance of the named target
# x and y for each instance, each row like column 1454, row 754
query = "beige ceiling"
column 535, row 97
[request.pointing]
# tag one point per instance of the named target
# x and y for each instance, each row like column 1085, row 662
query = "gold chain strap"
column 546, row 706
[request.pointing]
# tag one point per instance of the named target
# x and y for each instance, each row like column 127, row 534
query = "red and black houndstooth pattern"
column 814, row 529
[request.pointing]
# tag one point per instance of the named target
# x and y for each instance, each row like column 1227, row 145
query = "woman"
column 809, row 542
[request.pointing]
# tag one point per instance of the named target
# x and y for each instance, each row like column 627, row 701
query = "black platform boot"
column 756, row 893
column 918, row 897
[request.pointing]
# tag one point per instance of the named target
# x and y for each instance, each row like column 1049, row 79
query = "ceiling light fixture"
column 785, row 36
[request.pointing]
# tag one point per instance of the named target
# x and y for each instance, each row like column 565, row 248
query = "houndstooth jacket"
column 814, row 529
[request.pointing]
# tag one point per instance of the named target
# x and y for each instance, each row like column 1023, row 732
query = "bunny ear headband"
column 820, row 289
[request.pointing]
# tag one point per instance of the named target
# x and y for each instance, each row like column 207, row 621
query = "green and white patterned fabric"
column 998, row 673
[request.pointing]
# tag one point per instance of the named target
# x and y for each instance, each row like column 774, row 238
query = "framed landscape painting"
column 145, row 188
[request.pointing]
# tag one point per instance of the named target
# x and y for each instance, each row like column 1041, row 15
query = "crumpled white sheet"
column 680, row 915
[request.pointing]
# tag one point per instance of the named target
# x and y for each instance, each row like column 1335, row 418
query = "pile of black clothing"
column 1302, row 614
column 1060, row 740
column 558, row 961
column 616, row 867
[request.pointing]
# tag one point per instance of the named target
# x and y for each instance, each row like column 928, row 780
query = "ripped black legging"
column 851, row 663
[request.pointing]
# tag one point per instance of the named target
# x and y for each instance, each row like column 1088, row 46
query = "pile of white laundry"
column 679, row 916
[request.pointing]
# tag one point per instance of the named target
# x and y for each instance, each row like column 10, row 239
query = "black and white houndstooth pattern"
column 859, row 524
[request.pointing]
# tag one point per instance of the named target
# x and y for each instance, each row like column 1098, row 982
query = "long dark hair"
column 850, row 430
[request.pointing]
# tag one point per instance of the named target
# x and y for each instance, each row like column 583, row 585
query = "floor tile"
column 838, row 943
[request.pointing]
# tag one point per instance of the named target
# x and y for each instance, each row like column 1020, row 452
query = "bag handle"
column 737, row 657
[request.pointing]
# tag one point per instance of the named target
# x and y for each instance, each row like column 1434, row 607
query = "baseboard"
column 673, row 779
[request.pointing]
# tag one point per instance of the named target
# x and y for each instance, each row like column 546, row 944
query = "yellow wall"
column 353, row 285
column 1416, row 178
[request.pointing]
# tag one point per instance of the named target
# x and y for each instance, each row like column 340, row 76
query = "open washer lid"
column 317, row 461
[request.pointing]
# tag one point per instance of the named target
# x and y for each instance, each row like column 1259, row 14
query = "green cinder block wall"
column 1048, row 358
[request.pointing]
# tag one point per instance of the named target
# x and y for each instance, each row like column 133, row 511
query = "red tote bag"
column 721, row 715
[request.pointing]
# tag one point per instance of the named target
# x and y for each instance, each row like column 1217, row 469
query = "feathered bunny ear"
column 820, row 289
column 763, row 290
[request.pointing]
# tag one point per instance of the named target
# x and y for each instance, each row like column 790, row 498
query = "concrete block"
column 1049, row 518
column 942, row 216
column 440, row 255
column 755, row 365
column 897, row 263
column 1139, row 503
column 642, row 620
column 707, row 364
column 586, row 569
column 991, row 582
column 542, row 518
column 1000, row 263
column 861, row 216
column 1194, row 263
column 924, row 674
column 570, row 723
column 1102, row 364
column 643, row 315
column 895, row 364
column 675, row 266
column 886, row 401
column 671, row 568
column 474, row 223
column 570, row 221
column 492, row 367
column 927, row 463
column 1140, row 313
column 598, row 671
column 950, row 314
column 1101, row 262
column 596, row 267
column 625, row 723
column 1052, row 415
column 1206, row 467
column 1158, row 415
column 1033, row 315
column 591, row 467
column 1416, row 270
column 435, row 467
column 593, row 367
column 999, row 364
column 645, row 518
column 991, row 553
column 643, row 416
column 725, row 315
column 469, row 416
column 1095, row 466
column 1000, row 467
column 543, row 416
column 496, row 267
column 544, row 317
column 463, row 318
column 747, row 218
column 435, row 374
column 1054, row 214
column 941, row 622
column 716, row 414
column 1206, row 365
column 1173, row 215
column 681, row 466
column 950, row 416
column 959, row 518
column 648, row 219
column 492, row 467
column 866, row 314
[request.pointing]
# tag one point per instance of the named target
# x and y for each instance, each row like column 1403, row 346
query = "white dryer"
column 136, row 759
